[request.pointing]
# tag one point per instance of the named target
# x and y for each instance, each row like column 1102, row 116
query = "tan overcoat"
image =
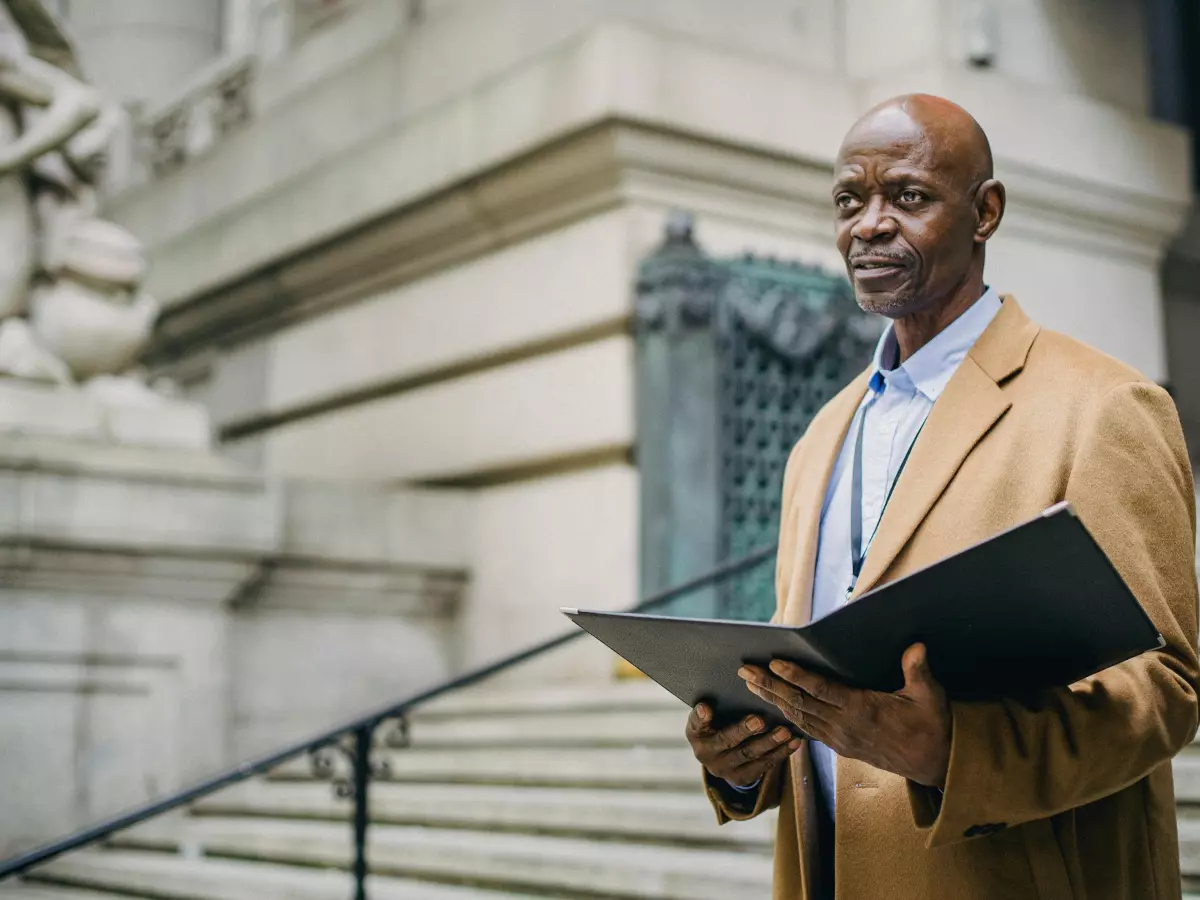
column 1072, row 798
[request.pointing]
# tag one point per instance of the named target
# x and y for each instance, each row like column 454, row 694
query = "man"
column 971, row 419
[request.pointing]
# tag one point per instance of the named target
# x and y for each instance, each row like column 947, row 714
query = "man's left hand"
column 907, row 733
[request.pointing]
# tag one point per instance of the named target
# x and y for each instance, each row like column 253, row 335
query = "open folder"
column 1034, row 607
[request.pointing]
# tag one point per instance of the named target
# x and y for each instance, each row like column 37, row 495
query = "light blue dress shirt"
column 904, row 394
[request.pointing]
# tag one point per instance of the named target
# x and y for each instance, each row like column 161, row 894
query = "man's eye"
column 845, row 201
column 910, row 196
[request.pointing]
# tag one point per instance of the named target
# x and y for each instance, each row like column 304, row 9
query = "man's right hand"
column 740, row 753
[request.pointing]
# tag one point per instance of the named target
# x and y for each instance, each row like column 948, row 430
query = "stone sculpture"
column 72, row 309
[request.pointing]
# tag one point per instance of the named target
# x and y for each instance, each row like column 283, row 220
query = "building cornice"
column 600, row 167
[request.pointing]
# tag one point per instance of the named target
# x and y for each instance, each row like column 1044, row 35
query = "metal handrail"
column 361, row 729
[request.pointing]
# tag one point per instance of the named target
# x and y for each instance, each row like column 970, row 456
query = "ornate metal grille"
column 735, row 357
column 791, row 339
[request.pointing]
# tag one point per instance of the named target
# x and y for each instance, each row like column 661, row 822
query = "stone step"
column 654, row 768
column 618, row 696
column 546, row 728
column 542, row 863
column 658, row 815
column 1187, row 776
column 1189, row 846
column 174, row 877
column 27, row 890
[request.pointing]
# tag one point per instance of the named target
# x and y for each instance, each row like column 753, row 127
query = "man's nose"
column 875, row 221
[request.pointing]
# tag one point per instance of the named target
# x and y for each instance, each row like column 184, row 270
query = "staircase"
column 1187, row 797
column 587, row 792
column 569, row 792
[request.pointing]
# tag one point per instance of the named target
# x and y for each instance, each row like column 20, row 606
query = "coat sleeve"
column 1130, row 482
column 729, row 805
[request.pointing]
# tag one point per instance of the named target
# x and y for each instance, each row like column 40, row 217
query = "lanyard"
column 857, row 550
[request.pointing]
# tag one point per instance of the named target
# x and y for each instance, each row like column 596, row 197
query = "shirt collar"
column 930, row 368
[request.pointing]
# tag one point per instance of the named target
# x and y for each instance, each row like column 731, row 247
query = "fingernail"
column 755, row 723
column 781, row 734
column 776, row 666
column 703, row 713
column 795, row 744
column 743, row 672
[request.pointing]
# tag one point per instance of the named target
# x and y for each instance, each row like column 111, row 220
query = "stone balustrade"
column 217, row 100
column 163, row 138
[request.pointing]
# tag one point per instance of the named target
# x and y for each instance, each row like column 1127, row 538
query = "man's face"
column 905, row 219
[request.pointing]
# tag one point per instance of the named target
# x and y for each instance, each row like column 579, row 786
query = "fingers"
column 791, row 700
column 915, row 664
column 754, row 749
column 814, row 685
column 803, row 712
column 708, row 744
column 734, row 735
column 699, row 720
column 699, row 725
column 745, row 763
column 750, row 772
column 727, row 752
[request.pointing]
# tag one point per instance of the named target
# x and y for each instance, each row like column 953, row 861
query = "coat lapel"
column 971, row 404
column 822, row 444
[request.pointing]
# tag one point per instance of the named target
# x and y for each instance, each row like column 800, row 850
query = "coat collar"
column 928, row 371
column 1003, row 347
column 971, row 404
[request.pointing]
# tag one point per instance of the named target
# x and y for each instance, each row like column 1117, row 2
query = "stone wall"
column 166, row 615
column 396, row 245
column 413, row 263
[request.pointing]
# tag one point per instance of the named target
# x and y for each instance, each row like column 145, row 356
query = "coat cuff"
column 966, row 808
column 925, row 803
column 737, row 806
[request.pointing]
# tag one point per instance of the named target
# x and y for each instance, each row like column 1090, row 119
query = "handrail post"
column 362, row 778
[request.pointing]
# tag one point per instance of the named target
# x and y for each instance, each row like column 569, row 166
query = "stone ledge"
column 199, row 508
column 111, row 574
column 613, row 71
column 555, row 407
column 598, row 168
column 35, row 410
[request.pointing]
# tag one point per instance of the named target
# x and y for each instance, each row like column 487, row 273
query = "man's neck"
column 916, row 330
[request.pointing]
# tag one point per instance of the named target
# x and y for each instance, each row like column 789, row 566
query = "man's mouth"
column 863, row 263
column 876, row 271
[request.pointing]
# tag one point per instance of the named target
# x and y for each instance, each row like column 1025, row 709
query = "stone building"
column 396, row 245
column 396, row 241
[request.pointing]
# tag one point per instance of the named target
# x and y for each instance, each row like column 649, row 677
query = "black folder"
column 1035, row 607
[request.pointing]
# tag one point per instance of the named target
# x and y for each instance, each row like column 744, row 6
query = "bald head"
column 954, row 139
column 916, row 200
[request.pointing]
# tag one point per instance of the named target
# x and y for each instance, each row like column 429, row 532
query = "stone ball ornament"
column 92, row 331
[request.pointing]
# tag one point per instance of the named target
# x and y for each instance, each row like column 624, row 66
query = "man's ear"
column 989, row 209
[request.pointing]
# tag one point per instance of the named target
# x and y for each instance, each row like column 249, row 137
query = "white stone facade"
column 396, row 242
column 417, row 255
column 166, row 613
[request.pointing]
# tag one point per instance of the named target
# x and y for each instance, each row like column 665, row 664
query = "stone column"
column 138, row 49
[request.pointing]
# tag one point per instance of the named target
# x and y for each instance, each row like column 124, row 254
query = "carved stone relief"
column 71, row 303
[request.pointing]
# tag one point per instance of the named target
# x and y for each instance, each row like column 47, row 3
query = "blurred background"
column 344, row 341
